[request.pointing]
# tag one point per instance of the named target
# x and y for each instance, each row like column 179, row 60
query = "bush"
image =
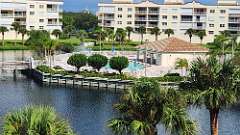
column 97, row 61
column 172, row 74
column 77, row 60
column 35, row 120
column 169, row 78
column 119, row 63
column 66, row 48
column 44, row 69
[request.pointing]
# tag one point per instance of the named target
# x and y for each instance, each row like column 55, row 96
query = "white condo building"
column 34, row 14
column 173, row 14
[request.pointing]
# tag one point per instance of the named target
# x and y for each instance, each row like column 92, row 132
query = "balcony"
column 140, row 18
column 186, row 20
column 234, row 28
column 153, row 18
column 152, row 25
column 7, row 15
column 52, row 10
column 234, row 20
column 139, row 25
column 141, row 11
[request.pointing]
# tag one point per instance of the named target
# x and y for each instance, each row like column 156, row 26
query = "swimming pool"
column 133, row 66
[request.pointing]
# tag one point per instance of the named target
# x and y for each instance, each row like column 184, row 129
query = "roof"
column 173, row 44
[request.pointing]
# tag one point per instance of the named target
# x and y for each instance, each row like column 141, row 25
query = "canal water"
column 88, row 110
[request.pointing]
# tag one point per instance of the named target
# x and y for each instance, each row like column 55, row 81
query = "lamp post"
column 145, row 70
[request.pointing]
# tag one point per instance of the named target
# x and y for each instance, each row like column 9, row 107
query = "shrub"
column 169, row 78
column 172, row 74
column 35, row 120
column 119, row 63
column 77, row 60
column 66, row 48
column 44, row 69
column 97, row 61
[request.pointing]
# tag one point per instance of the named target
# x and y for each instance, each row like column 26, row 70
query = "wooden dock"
column 77, row 80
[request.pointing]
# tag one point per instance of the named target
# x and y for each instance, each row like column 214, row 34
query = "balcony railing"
column 186, row 20
column 138, row 25
column 141, row 12
column 52, row 10
column 234, row 20
column 152, row 25
column 234, row 28
column 140, row 18
column 153, row 18
column 7, row 15
column 153, row 12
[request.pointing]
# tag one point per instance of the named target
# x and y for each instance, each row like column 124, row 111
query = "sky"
column 91, row 5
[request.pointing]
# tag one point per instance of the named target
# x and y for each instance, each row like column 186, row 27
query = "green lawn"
column 9, row 45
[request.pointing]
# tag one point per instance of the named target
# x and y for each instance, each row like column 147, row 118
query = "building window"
column 41, row 27
column 222, row 11
column 32, row 27
column 129, row 16
column 32, row 6
column 119, row 9
column 119, row 22
column 164, row 17
column 119, row 15
column 174, row 17
column 129, row 9
column 211, row 25
column 211, row 32
column 164, row 23
column 212, row 11
column 222, row 25
column 41, row 6
column 41, row 20
column 32, row 13
column 129, row 22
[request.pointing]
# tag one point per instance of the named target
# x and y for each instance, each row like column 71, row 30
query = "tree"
column 15, row 27
column 219, row 45
column 82, row 34
column 213, row 87
column 3, row 30
column 129, row 31
column 119, row 63
column 38, row 39
column 190, row 33
column 141, row 31
column 50, row 47
column 181, row 64
column 155, row 31
column 97, row 61
column 146, row 105
column 100, row 36
column 23, row 31
column 56, row 33
column 35, row 120
column 120, row 35
column 68, row 30
column 201, row 34
column 77, row 60
column 169, row 32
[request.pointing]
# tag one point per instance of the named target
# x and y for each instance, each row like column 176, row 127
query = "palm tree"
column 50, row 47
column 15, row 26
column 35, row 120
column 234, row 43
column 120, row 35
column 214, row 83
column 190, row 33
column 141, row 31
column 23, row 31
column 82, row 34
column 129, row 31
column 155, row 31
column 56, row 33
column 146, row 105
column 169, row 32
column 3, row 30
column 181, row 64
column 100, row 35
column 201, row 34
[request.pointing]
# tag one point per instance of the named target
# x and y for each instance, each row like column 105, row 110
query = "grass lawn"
column 128, row 46
column 9, row 45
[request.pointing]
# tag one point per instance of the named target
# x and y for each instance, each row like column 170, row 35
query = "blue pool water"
column 133, row 66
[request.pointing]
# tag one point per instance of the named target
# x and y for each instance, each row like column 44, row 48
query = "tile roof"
column 173, row 44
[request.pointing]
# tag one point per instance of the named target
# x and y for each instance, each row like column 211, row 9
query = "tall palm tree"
column 181, row 64
column 120, row 35
column 56, row 33
column 82, row 34
column 23, row 31
column 155, row 31
column 15, row 26
column 234, row 43
column 169, row 32
column 129, row 31
column 141, row 31
column 100, row 35
column 219, row 45
column 190, row 33
column 2, row 31
column 201, row 34
column 214, row 83
column 35, row 120
column 146, row 105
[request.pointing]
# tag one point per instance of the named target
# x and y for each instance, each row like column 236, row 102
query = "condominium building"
column 172, row 14
column 33, row 14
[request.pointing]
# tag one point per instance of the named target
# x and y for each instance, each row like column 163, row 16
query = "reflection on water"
column 7, row 56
